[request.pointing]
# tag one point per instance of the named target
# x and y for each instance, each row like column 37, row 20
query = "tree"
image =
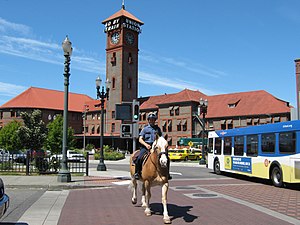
column 55, row 136
column 9, row 138
column 34, row 132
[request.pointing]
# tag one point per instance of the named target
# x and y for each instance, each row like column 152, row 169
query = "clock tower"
column 122, row 31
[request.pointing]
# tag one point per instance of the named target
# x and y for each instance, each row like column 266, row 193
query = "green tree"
column 9, row 138
column 55, row 136
column 34, row 132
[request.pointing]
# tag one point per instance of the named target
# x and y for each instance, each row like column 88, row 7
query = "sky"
column 214, row 46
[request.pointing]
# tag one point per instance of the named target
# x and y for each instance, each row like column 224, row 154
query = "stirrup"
column 136, row 176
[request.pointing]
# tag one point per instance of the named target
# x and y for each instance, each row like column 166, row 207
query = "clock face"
column 129, row 38
column 115, row 37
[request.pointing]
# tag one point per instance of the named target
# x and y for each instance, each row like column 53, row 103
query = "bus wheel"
column 217, row 167
column 276, row 177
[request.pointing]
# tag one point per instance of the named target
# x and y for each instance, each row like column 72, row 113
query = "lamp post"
column 102, row 95
column 64, row 174
column 203, row 111
column 84, row 125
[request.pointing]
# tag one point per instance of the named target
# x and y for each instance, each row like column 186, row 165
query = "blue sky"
column 214, row 46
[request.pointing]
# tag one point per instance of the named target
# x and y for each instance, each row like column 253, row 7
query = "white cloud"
column 10, row 90
column 160, row 80
column 9, row 27
column 183, row 64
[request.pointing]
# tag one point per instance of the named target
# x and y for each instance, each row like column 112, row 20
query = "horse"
column 154, row 172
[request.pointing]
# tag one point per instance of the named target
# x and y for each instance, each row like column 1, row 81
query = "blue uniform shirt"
column 148, row 133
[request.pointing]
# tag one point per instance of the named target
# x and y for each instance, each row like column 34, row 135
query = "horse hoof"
column 167, row 221
column 147, row 213
column 134, row 201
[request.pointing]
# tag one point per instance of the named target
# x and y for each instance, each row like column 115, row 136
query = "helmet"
column 151, row 115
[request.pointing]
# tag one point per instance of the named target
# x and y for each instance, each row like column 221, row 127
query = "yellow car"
column 195, row 154
column 179, row 154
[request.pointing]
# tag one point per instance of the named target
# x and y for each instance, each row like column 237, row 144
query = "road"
column 20, row 201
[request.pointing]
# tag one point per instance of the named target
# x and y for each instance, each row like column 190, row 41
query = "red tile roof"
column 242, row 104
column 246, row 104
column 42, row 98
column 125, row 13
column 185, row 95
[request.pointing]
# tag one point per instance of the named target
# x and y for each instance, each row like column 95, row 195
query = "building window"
column 169, row 125
column 93, row 130
column 113, row 59
column 176, row 109
column 130, row 60
column 129, row 83
column 18, row 113
column 184, row 125
column 113, row 83
column 98, row 129
column 179, row 125
column 1, row 115
column 164, row 126
column 12, row 114
column 113, row 127
column 171, row 109
column 113, row 114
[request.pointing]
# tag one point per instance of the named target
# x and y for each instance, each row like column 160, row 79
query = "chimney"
column 297, row 65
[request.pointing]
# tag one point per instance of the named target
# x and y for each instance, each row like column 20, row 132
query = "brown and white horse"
column 154, row 172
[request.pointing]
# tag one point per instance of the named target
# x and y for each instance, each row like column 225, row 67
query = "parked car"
column 74, row 156
column 195, row 154
column 19, row 157
column 179, row 154
column 5, row 156
column 4, row 199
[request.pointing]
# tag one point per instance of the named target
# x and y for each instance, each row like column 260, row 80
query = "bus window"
column 239, row 145
column 268, row 143
column 252, row 145
column 227, row 145
column 287, row 142
column 210, row 145
column 218, row 144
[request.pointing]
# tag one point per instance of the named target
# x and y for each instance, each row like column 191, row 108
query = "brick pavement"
column 111, row 205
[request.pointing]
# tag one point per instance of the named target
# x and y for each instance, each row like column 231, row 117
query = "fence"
column 49, row 164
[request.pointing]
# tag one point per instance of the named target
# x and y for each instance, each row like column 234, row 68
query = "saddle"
column 144, row 157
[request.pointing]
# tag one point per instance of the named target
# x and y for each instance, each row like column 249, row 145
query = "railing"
column 26, row 163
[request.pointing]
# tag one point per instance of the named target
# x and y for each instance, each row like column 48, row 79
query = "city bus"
column 270, row 151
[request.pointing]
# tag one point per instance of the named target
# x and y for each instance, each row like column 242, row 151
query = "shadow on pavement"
column 175, row 211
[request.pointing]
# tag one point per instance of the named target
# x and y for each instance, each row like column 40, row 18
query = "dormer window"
column 233, row 103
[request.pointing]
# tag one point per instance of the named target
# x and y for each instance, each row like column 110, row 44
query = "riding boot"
column 137, row 170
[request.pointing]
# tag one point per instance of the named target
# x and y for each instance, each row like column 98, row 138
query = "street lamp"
column 84, row 125
column 102, row 95
column 64, row 174
column 203, row 110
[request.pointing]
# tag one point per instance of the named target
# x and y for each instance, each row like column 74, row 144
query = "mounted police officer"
column 146, row 139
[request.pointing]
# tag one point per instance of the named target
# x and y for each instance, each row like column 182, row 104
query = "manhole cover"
column 205, row 195
column 187, row 188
